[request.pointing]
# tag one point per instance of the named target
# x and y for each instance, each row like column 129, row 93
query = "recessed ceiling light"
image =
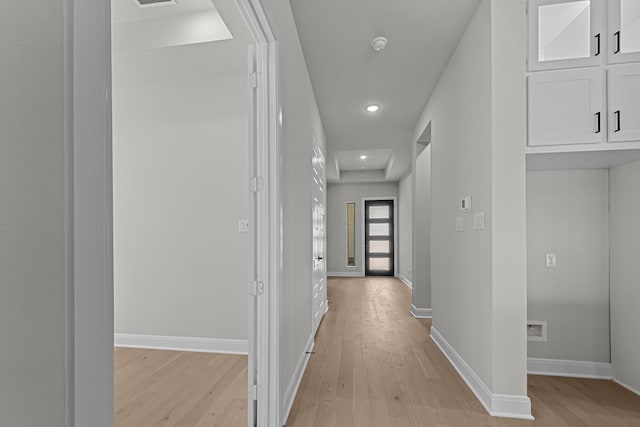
column 373, row 108
column 363, row 157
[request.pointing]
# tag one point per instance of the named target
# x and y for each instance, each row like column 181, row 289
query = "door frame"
column 395, row 233
column 89, row 206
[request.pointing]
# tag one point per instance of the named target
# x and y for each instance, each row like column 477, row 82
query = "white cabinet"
column 566, row 33
column 624, row 102
column 566, row 107
column 624, row 31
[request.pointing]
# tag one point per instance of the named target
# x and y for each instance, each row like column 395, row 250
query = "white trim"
column 89, row 195
column 346, row 274
column 421, row 313
column 569, row 368
column 199, row 345
column 395, row 232
column 404, row 280
column 292, row 390
column 497, row 405
column 628, row 387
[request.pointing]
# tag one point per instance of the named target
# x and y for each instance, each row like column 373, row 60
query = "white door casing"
column 89, row 246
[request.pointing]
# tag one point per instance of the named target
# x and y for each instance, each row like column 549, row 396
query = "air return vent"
column 150, row 3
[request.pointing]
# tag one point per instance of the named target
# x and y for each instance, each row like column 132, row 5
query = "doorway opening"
column 379, row 235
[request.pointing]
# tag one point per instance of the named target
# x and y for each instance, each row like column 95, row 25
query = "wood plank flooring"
column 375, row 365
column 172, row 388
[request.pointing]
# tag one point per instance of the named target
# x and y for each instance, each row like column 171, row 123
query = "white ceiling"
column 347, row 74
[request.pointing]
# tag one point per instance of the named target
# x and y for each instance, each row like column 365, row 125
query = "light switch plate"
column 459, row 224
column 465, row 204
column 243, row 226
column 551, row 260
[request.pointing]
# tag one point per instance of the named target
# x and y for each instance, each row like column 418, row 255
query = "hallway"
column 375, row 365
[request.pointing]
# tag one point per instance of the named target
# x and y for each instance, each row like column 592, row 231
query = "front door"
column 379, row 238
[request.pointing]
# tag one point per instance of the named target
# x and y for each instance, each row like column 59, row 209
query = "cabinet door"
column 624, row 31
column 566, row 107
column 624, row 103
column 565, row 33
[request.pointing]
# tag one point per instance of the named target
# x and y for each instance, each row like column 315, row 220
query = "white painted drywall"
column 478, row 278
column 421, row 297
column 625, row 271
column 32, row 217
column 568, row 215
column 180, row 149
column 301, row 126
column 338, row 195
column 405, row 226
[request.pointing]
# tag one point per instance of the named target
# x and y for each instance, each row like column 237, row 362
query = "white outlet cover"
column 459, row 224
column 551, row 260
column 478, row 221
column 243, row 226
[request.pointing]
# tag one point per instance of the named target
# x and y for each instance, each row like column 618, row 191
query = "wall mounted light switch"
column 551, row 260
column 243, row 226
column 459, row 224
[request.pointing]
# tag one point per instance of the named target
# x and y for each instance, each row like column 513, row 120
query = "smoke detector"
column 379, row 43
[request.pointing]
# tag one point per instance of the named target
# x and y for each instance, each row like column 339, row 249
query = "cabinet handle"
column 597, row 44
column 617, row 34
column 617, row 114
column 598, row 122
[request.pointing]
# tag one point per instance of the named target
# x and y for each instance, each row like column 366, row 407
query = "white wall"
column 421, row 297
column 405, row 227
column 338, row 195
column 478, row 278
column 180, row 187
column 568, row 214
column 301, row 126
column 32, row 217
column 625, row 271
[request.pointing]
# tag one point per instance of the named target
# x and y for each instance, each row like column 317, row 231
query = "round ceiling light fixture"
column 379, row 43
column 363, row 157
column 373, row 108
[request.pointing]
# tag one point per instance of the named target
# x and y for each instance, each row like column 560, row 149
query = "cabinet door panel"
column 566, row 107
column 624, row 103
column 624, row 31
column 565, row 33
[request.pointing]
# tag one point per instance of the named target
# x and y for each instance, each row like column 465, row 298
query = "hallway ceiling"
column 347, row 74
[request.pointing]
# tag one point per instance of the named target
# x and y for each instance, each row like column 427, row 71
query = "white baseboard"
column 346, row 274
column 292, row 390
column 497, row 405
column 628, row 387
column 569, row 368
column 421, row 313
column 405, row 280
column 200, row 345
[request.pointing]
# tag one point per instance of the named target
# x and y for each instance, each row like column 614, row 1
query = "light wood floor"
column 171, row 388
column 375, row 365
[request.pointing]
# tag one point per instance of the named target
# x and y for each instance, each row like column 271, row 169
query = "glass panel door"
column 565, row 33
column 624, row 31
column 379, row 238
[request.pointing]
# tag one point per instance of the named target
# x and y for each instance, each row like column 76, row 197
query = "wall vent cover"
column 150, row 3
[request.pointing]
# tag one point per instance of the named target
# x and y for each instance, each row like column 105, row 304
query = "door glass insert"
column 379, row 264
column 379, row 247
column 379, row 229
column 379, row 212
column 629, row 26
column 564, row 30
